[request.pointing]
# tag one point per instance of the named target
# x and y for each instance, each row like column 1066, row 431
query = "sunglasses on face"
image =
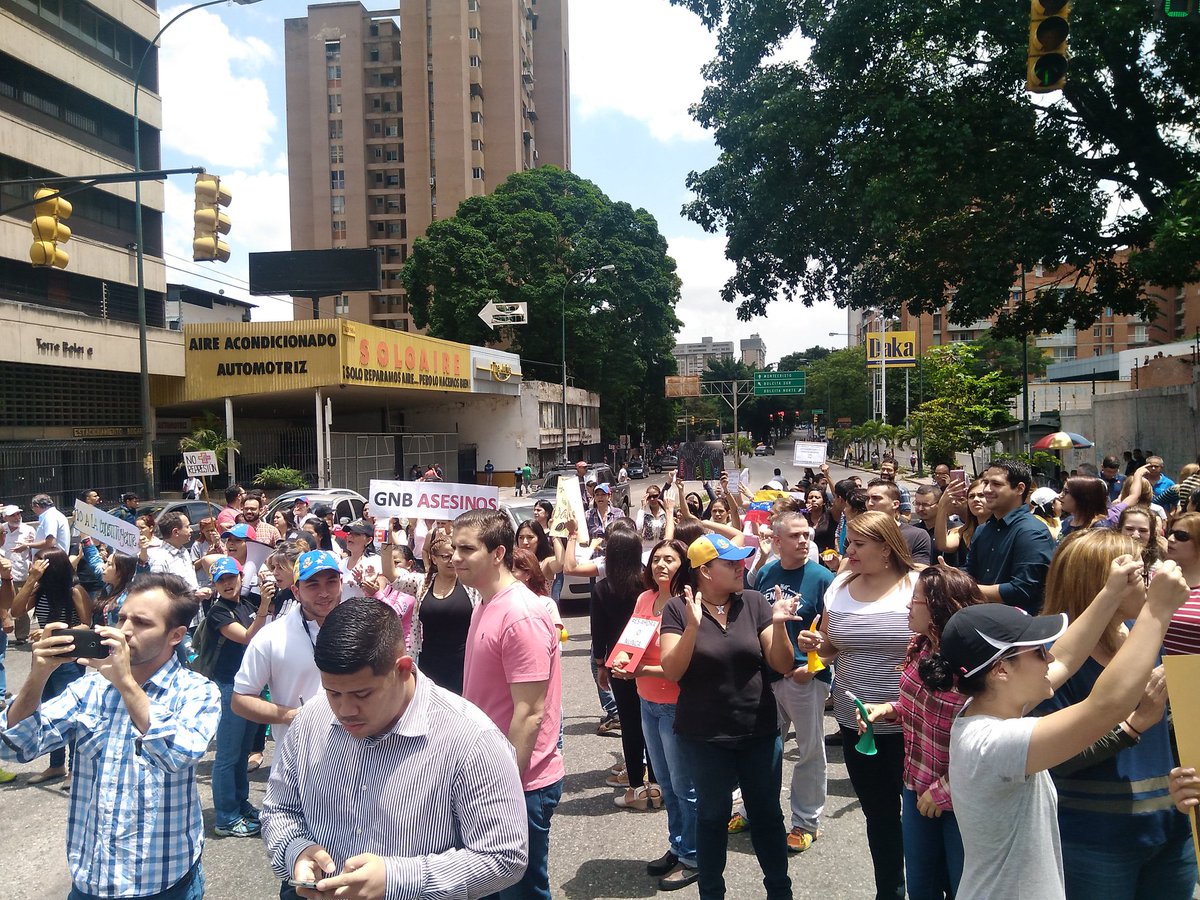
column 1041, row 651
column 1180, row 535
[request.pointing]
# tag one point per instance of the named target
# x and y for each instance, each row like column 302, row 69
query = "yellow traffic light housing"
column 49, row 230
column 210, row 221
column 1046, row 68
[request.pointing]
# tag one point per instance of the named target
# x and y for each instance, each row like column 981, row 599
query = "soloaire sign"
column 378, row 356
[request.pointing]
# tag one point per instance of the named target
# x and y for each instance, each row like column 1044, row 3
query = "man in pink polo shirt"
column 512, row 674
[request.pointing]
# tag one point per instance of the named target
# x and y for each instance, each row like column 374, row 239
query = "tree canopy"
column 903, row 160
column 532, row 241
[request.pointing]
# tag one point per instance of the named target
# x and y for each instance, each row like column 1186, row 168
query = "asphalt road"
column 597, row 850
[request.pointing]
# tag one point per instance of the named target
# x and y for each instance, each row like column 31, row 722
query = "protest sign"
column 808, row 454
column 1183, row 690
column 122, row 536
column 201, row 462
column 634, row 640
column 429, row 499
column 568, row 504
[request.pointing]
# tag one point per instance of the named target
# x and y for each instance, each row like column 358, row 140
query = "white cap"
column 9, row 510
column 1043, row 496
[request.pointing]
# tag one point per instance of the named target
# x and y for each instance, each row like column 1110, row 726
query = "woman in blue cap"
column 231, row 623
column 1004, row 798
column 715, row 641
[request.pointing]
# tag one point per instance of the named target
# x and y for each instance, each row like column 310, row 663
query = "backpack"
column 206, row 649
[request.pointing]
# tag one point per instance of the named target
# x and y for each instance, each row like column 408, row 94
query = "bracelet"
column 1131, row 728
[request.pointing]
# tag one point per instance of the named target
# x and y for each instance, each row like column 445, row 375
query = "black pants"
column 633, row 744
column 877, row 781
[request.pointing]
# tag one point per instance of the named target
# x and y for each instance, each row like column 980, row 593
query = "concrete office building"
column 692, row 359
column 754, row 352
column 394, row 117
column 69, row 400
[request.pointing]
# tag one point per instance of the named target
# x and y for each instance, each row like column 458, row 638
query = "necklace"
column 720, row 609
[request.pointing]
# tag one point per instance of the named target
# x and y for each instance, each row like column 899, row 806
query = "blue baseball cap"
column 226, row 565
column 240, row 530
column 314, row 561
column 603, row 486
column 713, row 546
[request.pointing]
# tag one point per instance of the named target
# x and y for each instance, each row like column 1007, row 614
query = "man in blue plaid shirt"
column 140, row 723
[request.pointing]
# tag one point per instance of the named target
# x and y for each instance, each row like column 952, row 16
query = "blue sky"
column 635, row 68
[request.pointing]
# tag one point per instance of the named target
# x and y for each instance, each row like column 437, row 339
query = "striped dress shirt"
column 438, row 797
column 135, row 826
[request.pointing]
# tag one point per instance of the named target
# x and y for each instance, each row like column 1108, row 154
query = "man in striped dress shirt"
column 141, row 723
column 389, row 786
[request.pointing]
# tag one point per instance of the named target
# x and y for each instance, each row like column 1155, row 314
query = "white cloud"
column 786, row 328
column 642, row 59
column 215, row 111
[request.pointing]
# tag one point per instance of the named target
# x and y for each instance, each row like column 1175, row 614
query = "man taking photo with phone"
column 141, row 722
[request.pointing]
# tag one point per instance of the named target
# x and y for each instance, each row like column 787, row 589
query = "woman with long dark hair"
column 933, row 854
column 613, row 600
column 1085, row 502
column 443, row 614
column 823, row 524
column 531, row 536
column 118, row 575
column 55, row 596
column 665, row 576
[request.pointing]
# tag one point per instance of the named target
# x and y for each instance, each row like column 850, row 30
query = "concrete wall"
column 1161, row 419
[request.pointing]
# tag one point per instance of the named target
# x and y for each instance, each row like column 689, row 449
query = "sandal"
column 253, row 761
column 640, row 798
column 799, row 840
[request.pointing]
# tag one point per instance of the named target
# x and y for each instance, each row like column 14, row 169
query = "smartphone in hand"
column 87, row 643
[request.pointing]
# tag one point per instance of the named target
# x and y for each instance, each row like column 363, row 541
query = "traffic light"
column 49, row 230
column 210, row 221
column 1048, row 30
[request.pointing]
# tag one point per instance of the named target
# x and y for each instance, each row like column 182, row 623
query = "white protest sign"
column 568, row 504
column 429, row 499
column 122, row 536
column 201, row 462
column 808, row 453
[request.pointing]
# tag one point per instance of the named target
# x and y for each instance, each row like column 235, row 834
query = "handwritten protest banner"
column 122, row 536
column 429, row 500
column 568, row 504
column 200, row 462
column 808, row 453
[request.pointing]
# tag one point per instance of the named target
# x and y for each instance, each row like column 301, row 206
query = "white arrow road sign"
column 504, row 314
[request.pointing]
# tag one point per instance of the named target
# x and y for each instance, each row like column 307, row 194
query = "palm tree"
column 208, row 437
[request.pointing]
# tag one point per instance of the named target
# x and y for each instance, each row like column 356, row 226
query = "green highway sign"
column 768, row 384
column 818, row 412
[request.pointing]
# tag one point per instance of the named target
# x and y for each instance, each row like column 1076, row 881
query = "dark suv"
column 600, row 473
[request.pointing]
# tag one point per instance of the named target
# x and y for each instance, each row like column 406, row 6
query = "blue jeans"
column 1120, row 872
column 607, row 701
column 933, row 851
column 679, row 794
column 58, row 682
column 190, row 887
column 3, row 651
column 230, row 778
column 756, row 764
column 535, row 883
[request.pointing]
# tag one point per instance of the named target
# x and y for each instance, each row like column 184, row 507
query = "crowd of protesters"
column 991, row 654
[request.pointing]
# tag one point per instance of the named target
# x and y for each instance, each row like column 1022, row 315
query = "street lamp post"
column 143, row 350
column 577, row 279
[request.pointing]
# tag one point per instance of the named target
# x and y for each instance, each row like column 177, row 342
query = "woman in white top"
column 865, row 629
column 1004, row 798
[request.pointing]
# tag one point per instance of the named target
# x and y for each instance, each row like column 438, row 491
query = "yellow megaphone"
column 815, row 663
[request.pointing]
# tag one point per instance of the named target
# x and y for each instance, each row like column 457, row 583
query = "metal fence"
column 66, row 470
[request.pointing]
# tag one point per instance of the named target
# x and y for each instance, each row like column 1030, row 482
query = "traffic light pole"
column 83, row 182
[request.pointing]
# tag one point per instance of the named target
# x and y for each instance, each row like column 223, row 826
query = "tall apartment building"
column 754, row 352
column 395, row 117
column 69, row 395
column 692, row 359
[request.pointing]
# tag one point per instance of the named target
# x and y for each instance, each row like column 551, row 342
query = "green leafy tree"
column 965, row 407
column 995, row 351
column 209, row 436
column 796, row 361
column 528, row 242
column 903, row 158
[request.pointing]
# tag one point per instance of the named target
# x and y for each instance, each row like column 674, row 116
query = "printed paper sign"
column 122, row 536
column 634, row 640
column 201, row 462
column 429, row 499
column 808, row 453
column 1183, row 689
column 568, row 504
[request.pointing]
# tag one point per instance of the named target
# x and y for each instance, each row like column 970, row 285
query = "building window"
column 337, row 154
column 339, row 229
column 477, row 173
column 1108, row 331
column 392, row 155
column 1096, row 351
column 476, row 118
column 473, row 61
column 337, row 179
column 335, row 129
column 333, row 76
column 337, row 205
column 373, row 54
column 341, row 305
column 477, row 144
column 472, row 5
column 335, row 104
column 333, row 51
column 473, row 33
column 377, row 153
